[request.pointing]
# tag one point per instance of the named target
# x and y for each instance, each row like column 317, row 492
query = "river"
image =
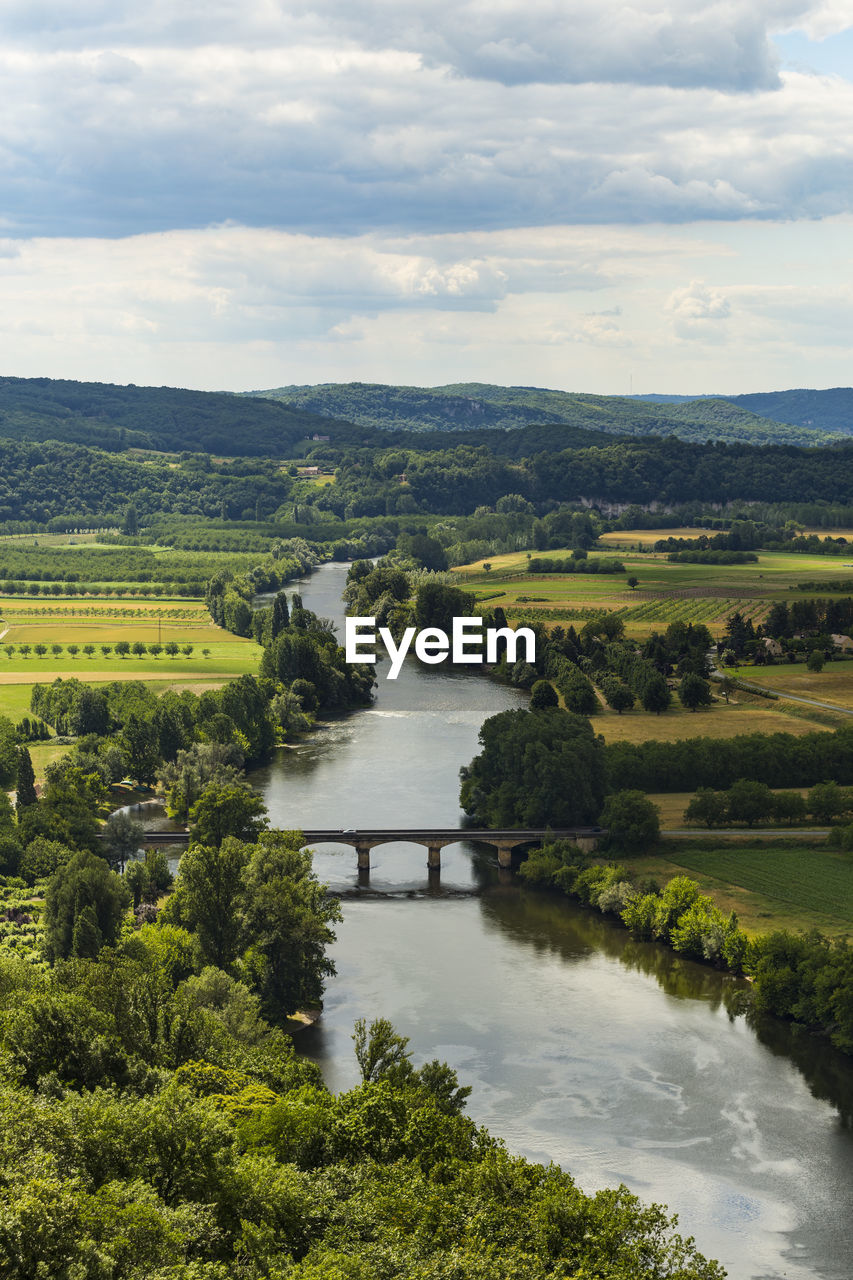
column 619, row 1061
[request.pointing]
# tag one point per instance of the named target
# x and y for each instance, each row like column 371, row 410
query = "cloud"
column 575, row 307
column 341, row 118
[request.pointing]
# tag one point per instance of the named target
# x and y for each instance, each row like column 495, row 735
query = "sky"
column 581, row 194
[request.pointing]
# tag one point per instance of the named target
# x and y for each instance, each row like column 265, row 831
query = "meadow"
column 833, row 684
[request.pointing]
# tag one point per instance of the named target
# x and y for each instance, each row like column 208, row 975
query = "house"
column 772, row 646
column 844, row 643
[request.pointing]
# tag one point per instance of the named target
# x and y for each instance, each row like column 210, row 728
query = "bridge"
column 434, row 839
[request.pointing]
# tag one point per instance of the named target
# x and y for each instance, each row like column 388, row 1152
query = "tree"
column 122, row 648
column 85, row 881
column 41, row 858
column 280, row 615
column 632, row 821
column 130, row 527
column 749, row 801
column 9, row 758
column 789, row 807
column 543, row 694
column 26, row 780
column 816, row 660
column 208, row 897
column 381, row 1053
column 535, row 769
column 708, row 808
column 172, row 648
column 136, row 879
column 618, row 696
column 726, row 685
column 826, row 801
column 122, row 837
column 287, row 916
column 655, row 695
column 230, row 809
column 694, row 692
column 633, row 582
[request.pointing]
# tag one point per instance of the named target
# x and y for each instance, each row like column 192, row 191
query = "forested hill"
column 163, row 418
column 477, row 406
column 830, row 410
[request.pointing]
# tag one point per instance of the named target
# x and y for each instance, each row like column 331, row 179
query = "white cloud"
column 573, row 307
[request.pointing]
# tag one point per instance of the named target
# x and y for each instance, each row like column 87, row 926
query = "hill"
column 115, row 418
column 474, row 405
column 830, row 410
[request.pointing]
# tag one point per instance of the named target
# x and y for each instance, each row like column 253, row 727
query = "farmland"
column 770, row 885
column 664, row 593
column 78, row 635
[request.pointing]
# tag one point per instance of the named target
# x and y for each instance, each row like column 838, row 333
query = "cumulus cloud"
column 337, row 117
column 718, row 43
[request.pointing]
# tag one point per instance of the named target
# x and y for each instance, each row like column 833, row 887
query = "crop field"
column 664, row 593
column 817, row 880
column 631, row 539
column 772, row 884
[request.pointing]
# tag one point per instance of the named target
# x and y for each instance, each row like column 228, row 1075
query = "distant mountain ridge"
column 475, row 405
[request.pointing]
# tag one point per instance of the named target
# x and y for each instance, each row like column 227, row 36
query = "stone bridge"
column 434, row 839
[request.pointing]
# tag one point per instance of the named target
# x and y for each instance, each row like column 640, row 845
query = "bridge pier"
column 505, row 854
column 363, row 851
column 434, row 856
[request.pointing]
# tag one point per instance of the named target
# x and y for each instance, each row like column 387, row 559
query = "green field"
column 778, row 884
column 813, row 880
column 665, row 592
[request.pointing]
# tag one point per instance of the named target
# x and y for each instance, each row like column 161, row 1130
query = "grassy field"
column 745, row 715
column 632, row 538
column 770, row 886
column 833, row 684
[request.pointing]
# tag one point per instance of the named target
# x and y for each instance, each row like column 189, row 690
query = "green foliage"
column 227, row 809
column 694, row 692
column 632, row 820
column 287, row 919
column 777, row 759
column 84, row 881
column 8, row 753
column 42, row 857
column 543, row 694
column 519, row 778
column 26, row 794
column 208, row 895
column 122, row 838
